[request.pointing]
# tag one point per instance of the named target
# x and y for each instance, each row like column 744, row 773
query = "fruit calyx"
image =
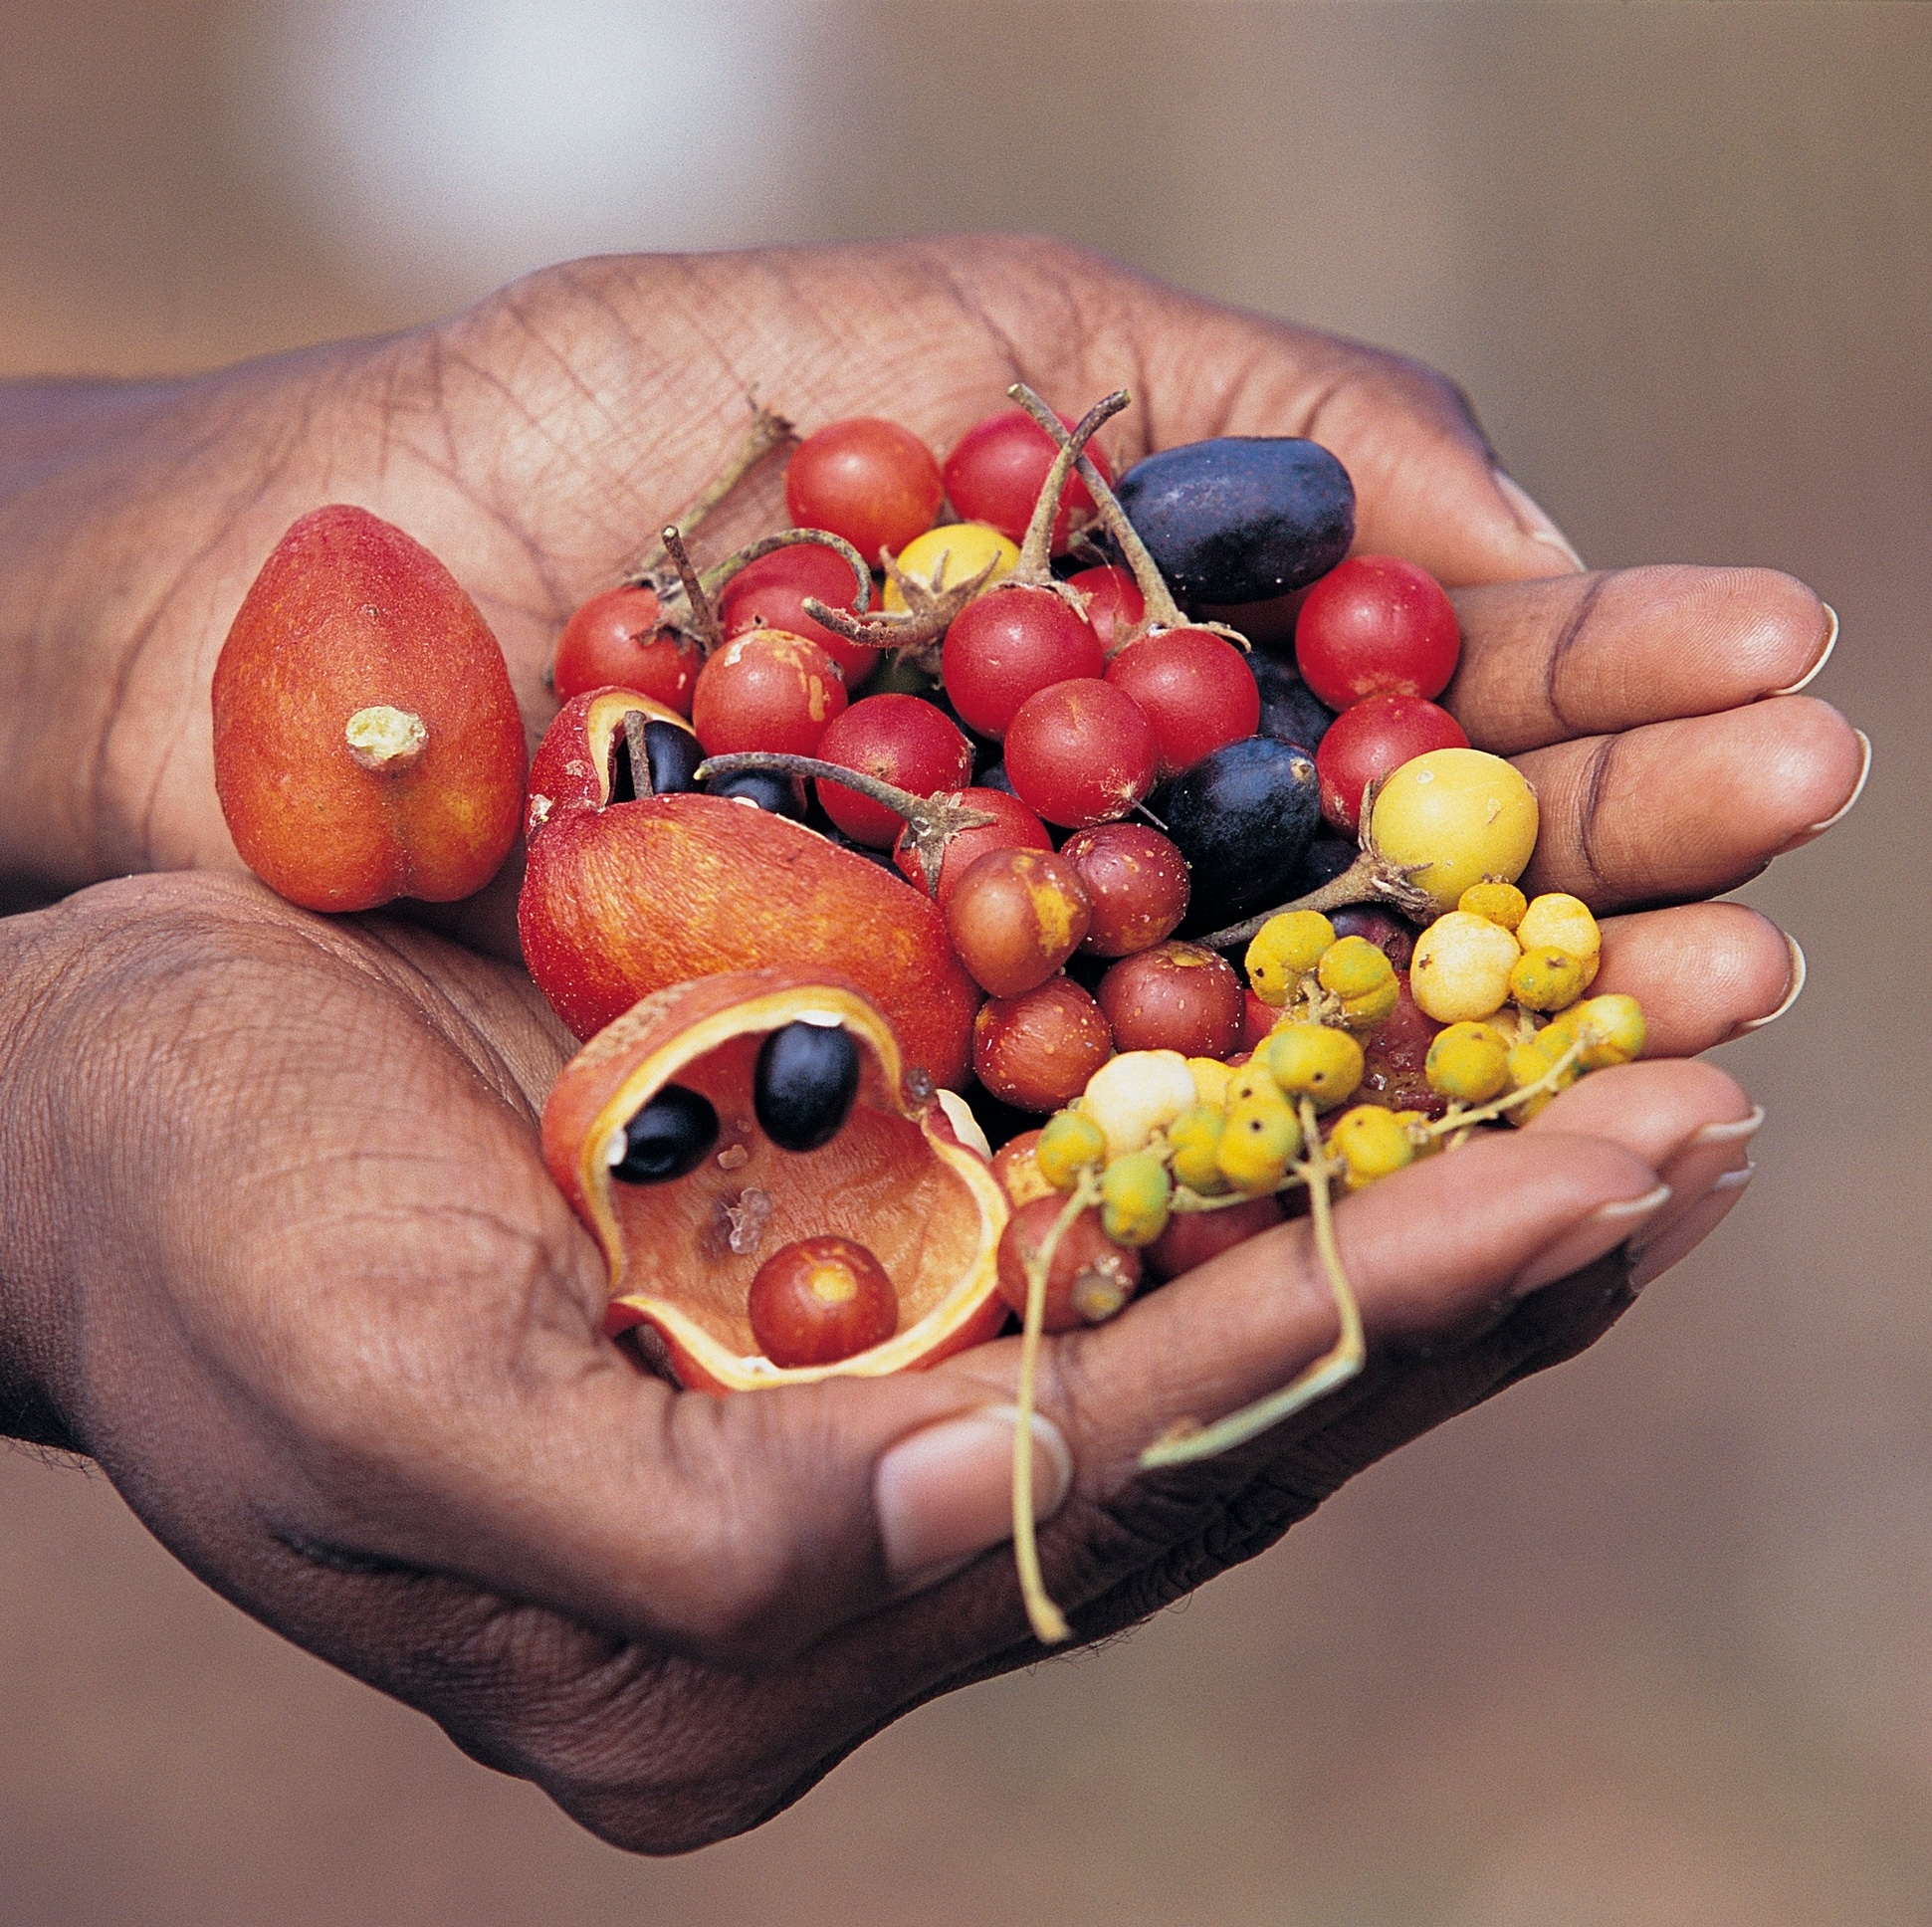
column 914, row 634
column 385, row 741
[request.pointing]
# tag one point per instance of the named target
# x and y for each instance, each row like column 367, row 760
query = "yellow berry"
column 1067, row 1142
column 1460, row 968
column 1353, row 966
column 1610, row 1029
column 1544, row 978
column 1251, row 1079
column 1197, row 1140
column 1469, row 1062
column 943, row 558
column 1284, row 950
column 1135, row 1196
column 1210, row 1077
column 1313, row 1061
column 1501, row 903
column 1560, row 923
column 1136, row 1094
column 1258, row 1143
column 1372, row 1141
column 1530, row 1063
column 1368, row 1010
column 1463, row 815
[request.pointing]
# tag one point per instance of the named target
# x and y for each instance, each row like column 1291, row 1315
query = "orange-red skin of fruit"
column 1037, row 1051
column 1192, row 1238
column 574, row 1115
column 622, row 900
column 1175, row 997
column 1015, row 916
column 758, row 675
column 1083, row 1244
column 348, row 613
column 795, row 1327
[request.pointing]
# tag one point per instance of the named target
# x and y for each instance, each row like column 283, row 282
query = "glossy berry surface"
column 1015, row 917
column 668, row 1138
column 1372, row 740
column 1240, row 519
column 1007, row 645
column 1037, row 1051
column 1080, row 753
column 1242, row 818
column 767, row 790
column 870, row 481
column 770, row 593
column 1291, row 712
column 1089, row 1278
column 1114, row 601
column 1377, row 626
column 1194, row 689
column 619, row 639
column 901, row 739
column 821, row 1300
column 1013, row 827
column 1137, row 882
column 767, row 691
column 804, row 1084
column 999, row 467
column 1176, row 996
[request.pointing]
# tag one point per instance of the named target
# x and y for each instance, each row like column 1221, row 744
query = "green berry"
column 1285, row 949
column 1313, row 1061
column 1068, row 1142
column 1136, row 1195
column 1258, row 1143
column 1469, row 1062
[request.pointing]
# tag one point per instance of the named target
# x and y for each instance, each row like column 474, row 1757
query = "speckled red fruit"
column 1013, row 827
column 1037, row 1052
column 820, row 1300
column 1192, row 1238
column 349, row 619
column 1080, row 753
column 770, row 593
column 1018, row 1174
column 1015, row 918
column 901, row 739
column 867, row 479
column 1089, row 1279
column 1137, row 882
column 767, row 691
column 1008, row 644
column 1176, row 996
column 620, row 639
column 1193, row 688
column 623, row 899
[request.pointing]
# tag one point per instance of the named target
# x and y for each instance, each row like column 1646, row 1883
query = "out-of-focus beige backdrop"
column 1648, row 1640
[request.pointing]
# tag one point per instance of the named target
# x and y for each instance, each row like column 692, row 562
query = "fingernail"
column 1733, row 1133
column 1792, row 991
column 1534, row 521
column 1824, row 655
column 945, row 1494
column 1652, row 1260
column 1602, row 1230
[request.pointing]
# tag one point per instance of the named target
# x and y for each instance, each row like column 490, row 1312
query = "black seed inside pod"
column 806, row 1081
column 673, row 754
column 668, row 1138
column 769, row 789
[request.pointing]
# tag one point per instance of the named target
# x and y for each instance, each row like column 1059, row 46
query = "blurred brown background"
column 1647, row 1640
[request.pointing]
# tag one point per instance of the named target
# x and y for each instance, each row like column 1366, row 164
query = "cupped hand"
column 538, row 440
column 288, row 1265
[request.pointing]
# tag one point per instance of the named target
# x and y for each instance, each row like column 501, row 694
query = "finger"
column 1691, row 808
column 1542, row 662
column 1703, row 973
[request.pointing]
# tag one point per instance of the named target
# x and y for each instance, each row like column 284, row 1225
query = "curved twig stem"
column 768, row 431
column 703, row 615
column 714, row 577
column 1036, row 551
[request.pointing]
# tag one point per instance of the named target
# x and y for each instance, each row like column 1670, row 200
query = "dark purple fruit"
column 667, row 1139
column 1291, row 712
column 807, row 1080
column 1243, row 819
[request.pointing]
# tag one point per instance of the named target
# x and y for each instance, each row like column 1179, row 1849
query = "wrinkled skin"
column 279, row 1247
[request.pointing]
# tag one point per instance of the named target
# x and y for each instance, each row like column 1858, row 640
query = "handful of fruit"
column 844, row 895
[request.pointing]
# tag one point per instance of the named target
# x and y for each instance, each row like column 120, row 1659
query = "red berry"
column 1015, row 917
column 1257, row 1020
column 1396, row 1056
column 1114, row 604
column 903, row 740
column 1080, row 753
column 767, row 691
column 870, row 481
column 618, row 638
column 1176, row 996
column 1372, row 739
column 999, row 467
column 1013, row 827
column 770, row 593
column 1137, row 881
column 1194, row 688
column 1089, row 1278
column 1192, row 1238
column 1377, row 626
column 821, row 1300
column 1037, row 1051
column 1009, row 644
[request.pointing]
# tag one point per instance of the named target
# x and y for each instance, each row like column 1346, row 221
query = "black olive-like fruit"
column 674, row 756
column 994, row 777
column 668, row 1138
column 1243, row 819
column 1321, row 862
column 1291, row 712
column 1241, row 517
column 771, row 790
column 807, row 1080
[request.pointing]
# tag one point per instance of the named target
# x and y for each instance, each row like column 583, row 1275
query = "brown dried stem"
column 768, row 431
column 1036, row 551
column 714, row 577
column 709, row 635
